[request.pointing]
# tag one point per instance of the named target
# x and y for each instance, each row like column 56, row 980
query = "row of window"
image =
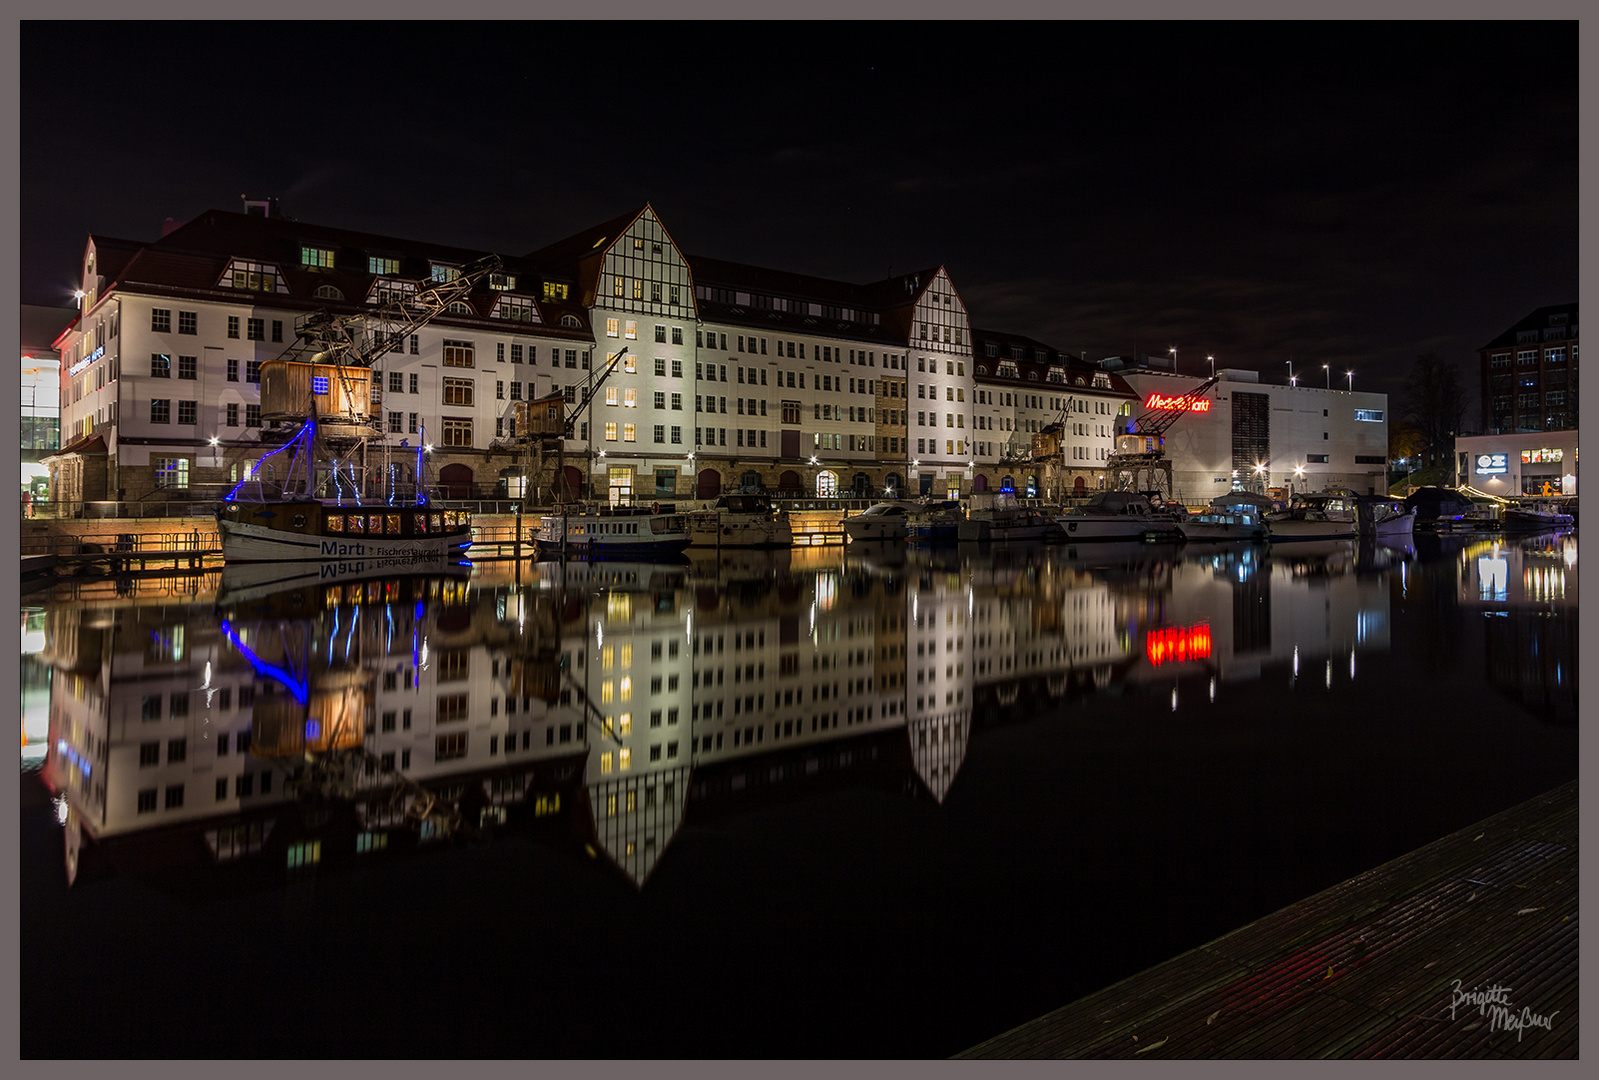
column 188, row 368
column 188, row 413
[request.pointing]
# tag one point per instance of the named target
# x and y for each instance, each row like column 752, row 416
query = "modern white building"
column 1265, row 436
column 1520, row 463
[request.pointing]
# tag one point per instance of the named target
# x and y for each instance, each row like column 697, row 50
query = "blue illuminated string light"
column 297, row 688
column 257, row 471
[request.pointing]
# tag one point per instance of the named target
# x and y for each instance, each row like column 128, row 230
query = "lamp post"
column 1212, row 360
column 1173, row 351
column 1291, row 380
column 1328, row 370
column 1299, row 473
column 1350, row 375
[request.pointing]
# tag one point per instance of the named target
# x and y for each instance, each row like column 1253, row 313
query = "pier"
column 1465, row 948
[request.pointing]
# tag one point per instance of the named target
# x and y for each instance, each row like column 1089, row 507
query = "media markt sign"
column 1492, row 464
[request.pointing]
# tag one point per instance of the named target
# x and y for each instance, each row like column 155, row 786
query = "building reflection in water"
column 1525, row 589
column 600, row 708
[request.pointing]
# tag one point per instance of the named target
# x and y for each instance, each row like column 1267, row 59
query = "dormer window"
column 556, row 290
column 443, row 273
column 314, row 256
column 382, row 264
column 390, row 291
column 571, row 322
column 255, row 276
column 515, row 308
column 502, row 282
column 991, row 350
column 327, row 292
column 459, row 307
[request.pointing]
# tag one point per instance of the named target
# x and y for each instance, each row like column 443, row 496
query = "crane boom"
column 1155, row 422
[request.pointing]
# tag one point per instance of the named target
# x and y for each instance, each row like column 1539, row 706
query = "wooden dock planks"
column 1368, row 968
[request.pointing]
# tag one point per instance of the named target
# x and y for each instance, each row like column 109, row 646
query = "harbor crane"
column 1139, row 462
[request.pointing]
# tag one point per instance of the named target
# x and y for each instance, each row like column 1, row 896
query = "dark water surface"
column 873, row 802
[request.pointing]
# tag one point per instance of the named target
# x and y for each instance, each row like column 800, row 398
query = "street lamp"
column 1351, row 376
column 1173, row 351
column 1291, row 380
column 1328, row 370
column 1212, row 360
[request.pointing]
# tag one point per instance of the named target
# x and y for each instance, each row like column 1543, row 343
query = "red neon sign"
column 1177, row 643
column 1174, row 404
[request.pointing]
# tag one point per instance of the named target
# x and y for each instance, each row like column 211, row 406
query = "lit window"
column 628, row 433
column 624, row 758
column 626, row 692
column 630, row 398
column 316, row 256
column 377, row 265
column 610, row 431
column 605, row 763
column 631, row 330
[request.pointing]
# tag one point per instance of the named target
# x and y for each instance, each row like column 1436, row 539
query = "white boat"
column 1536, row 514
column 888, row 520
column 741, row 521
column 1119, row 515
column 377, row 535
column 585, row 530
column 1384, row 516
column 939, row 523
column 1323, row 515
column 1006, row 520
column 1238, row 516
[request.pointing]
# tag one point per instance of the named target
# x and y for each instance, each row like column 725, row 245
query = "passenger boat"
column 586, row 530
column 1238, row 516
column 1006, row 520
column 1384, row 515
column 889, row 520
column 939, row 523
column 1536, row 514
column 1323, row 515
column 376, row 535
column 316, row 513
column 1119, row 515
column 741, row 521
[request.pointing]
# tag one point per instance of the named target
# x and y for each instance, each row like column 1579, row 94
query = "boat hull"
column 608, row 536
column 1087, row 527
column 1287, row 531
column 246, row 543
column 875, row 529
column 946, row 532
column 1201, row 532
column 985, row 532
column 739, row 530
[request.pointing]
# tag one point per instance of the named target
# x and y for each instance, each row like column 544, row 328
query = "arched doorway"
column 861, row 486
column 892, row 485
column 750, row 482
column 455, row 481
column 710, row 483
column 1079, row 485
column 1007, row 485
column 979, row 482
column 827, row 485
column 569, row 484
column 1032, row 487
column 790, row 483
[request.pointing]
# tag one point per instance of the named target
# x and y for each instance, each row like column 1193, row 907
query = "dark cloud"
column 1355, row 193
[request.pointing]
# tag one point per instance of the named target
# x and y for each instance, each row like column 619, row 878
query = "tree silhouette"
column 1433, row 402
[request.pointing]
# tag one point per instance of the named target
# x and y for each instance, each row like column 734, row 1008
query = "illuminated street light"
column 1292, row 381
column 215, row 441
column 427, row 448
column 1173, row 351
column 1351, row 377
column 1328, row 370
column 1212, row 360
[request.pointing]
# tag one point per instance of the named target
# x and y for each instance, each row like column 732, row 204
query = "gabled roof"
column 567, row 252
column 1538, row 320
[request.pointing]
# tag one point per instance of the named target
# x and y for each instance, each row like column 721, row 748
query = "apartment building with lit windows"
column 1529, row 374
column 1023, row 387
column 727, row 376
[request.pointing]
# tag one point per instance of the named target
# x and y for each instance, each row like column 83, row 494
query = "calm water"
column 829, row 803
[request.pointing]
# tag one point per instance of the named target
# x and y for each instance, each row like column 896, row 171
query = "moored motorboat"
column 1238, row 516
column 741, row 521
column 1322, row 515
column 1536, row 514
column 1007, row 520
column 888, row 520
column 938, row 523
column 1119, row 515
column 584, row 530
column 1384, row 515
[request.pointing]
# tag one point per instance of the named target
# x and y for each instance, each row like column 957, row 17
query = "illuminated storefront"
column 1528, row 463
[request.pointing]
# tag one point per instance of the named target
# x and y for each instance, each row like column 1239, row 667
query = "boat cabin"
column 311, row 518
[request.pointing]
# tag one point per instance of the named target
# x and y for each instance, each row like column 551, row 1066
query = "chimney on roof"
column 266, row 208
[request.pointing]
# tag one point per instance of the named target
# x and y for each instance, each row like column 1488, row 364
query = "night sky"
column 1343, row 193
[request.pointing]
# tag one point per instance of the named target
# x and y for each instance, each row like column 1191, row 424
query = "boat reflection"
column 601, row 707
